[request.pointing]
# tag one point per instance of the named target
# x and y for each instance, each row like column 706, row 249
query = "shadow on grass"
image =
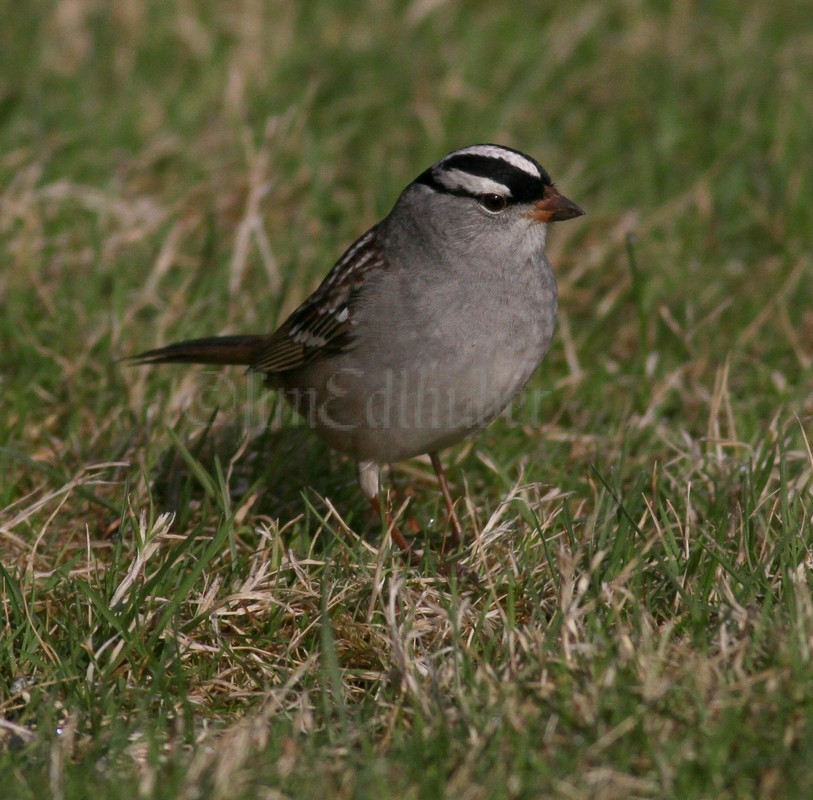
column 281, row 471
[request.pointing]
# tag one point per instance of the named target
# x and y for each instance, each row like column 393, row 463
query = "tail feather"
column 244, row 350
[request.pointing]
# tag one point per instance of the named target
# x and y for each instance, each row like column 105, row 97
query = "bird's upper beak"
column 554, row 207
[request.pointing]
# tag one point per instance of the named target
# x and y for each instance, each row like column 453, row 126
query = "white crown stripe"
column 458, row 180
column 492, row 151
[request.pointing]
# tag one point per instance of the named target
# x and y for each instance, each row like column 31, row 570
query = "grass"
column 196, row 602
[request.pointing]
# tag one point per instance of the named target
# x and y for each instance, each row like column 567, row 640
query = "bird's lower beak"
column 554, row 207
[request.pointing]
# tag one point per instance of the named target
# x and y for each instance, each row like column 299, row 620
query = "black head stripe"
column 522, row 185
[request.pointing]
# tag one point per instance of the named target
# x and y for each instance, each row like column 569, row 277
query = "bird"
column 426, row 327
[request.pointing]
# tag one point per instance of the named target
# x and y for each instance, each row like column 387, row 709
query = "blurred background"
column 171, row 169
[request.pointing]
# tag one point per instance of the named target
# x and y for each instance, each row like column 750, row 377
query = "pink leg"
column 455, row 530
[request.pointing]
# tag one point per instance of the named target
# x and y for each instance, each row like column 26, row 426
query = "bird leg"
column 455, row 535
column 369, row 473
column 395, row 534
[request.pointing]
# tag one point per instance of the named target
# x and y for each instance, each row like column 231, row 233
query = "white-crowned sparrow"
column 429, row 323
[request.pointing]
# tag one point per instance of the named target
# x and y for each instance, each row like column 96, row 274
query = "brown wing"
column 324, row 323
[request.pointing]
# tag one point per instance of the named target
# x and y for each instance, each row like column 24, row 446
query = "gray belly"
column 410, row 389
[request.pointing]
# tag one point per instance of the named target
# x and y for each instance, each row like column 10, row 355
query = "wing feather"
column 324, row 323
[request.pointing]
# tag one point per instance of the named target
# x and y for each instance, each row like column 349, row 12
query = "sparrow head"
column 500, row 179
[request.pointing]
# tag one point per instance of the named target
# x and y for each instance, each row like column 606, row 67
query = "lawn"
column 196, row 600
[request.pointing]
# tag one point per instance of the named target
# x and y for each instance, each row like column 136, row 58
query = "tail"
column 243, row 350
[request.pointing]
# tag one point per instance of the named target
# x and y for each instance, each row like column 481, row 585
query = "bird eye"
column 493, row 202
